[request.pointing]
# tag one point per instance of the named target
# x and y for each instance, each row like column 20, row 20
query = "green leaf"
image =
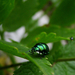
column 64, row 68
column 21, row 51
column 1, row 71
column 46, row 38
column 68, row 51
column 64, row 15
column 55, row 52
column 6, row 7
column 32, row 25
column 71, row 64
column 42, row 3
column 21, row 15
column 62, row 53
column 63, row 32
column 28, row 69
column 56, row 2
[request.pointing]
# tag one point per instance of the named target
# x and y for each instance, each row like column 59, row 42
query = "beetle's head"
column 32, row 50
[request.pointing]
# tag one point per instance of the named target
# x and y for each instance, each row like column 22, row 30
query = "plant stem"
column 63, row 60
column 67, row 59
column 1, row 32
column 2, row 35
column 13, row 65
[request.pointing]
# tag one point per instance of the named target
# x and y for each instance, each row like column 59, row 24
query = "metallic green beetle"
column 42, row 48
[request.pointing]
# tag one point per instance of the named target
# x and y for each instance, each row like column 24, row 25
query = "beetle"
column 42, row 48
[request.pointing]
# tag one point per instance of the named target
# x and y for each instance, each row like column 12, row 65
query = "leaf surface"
column 68, row 51
column 64, row 68
column 21, row 51
column 21, row 14
column 64, row 15
column 42, row 3
column 46, row 38
column 63, row 32
column 28, row 69
column 6, row 7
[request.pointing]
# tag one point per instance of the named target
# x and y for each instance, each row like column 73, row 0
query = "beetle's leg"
column 40, row 55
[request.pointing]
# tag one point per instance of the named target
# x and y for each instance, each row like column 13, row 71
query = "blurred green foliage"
column 17, row 13
column 64, row 15
column 6, row 6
